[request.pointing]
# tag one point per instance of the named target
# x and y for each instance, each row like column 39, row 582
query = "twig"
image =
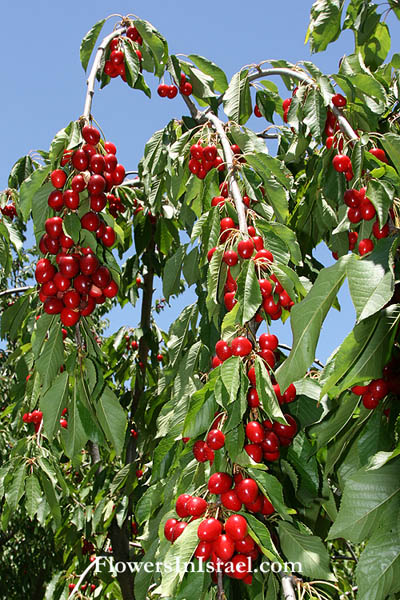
column 267, row 136
column 287, row 587
column 17, row 290
column 316, row 361
column 220, row 585
column 95, row 67
column 81, row 578
column 233, row 184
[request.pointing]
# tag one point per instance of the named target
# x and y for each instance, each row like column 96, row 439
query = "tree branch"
column 287, row 587
column 233, row 184
column 316, row 361
column 18, row 290
column 95, row 67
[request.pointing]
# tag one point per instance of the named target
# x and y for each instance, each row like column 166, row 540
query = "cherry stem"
column 221, row 593
column 95, row 67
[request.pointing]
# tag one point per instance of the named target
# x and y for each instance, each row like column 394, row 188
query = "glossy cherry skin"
column 58, row 178
column 219, row 483
column 53, row 306
column 78, row 183
column 203, row 550
column 44, row 271
column 96, row 185
column 224, row 547
column 101, row 277
column 254, row 451
column 268, row 342
column 241, row 346
column 80, row 160
column 288, row 431
column 91, row 135
column 222, row 350
column 196, row 507
column 69, row 317
column 215, row 439
column 72, row 299
column 118, row 175
column 111, row 290
column 271, row 442
column 369, row 401
column 169, row 528
column 108, row 237
column 236, row 527
column 90, row 221
column 231, row 501
column 61, row 282
column 55, row 200
column 230, row 257
column 209, row 530
column 178, row 529
column 252, row 398
column 341, row 163
column 365, row 246
column 82, row 284
column 247, row 490
column 378, row 388
column 245, row 546
column 69, row 266
column 180, row 505
column 266, row 289
column 245, row 248
column 53, row 227
column 88, row 264
column 255, row 432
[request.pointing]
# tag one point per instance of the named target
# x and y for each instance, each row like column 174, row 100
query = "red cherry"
column 230, row 258
column 256, row 506
column 365, row 246
column 369, row 401
column 169, row 528
column 108, row 237
column 196, row 507
column 194, row 166
column 254, row 451
column 49, row 288
column 82, row 284
column 247, row 491
column 101, row 278
column 241, row 346
column 118, row 175
column 230, row 300
column 235, row 149
column 378, row 388
column 58, row 178
column 71, row 199
column 96, row 185
column 258, row 242
column 91, row 135
column 353, row 236
column 270, row 306
column 288, row 431
column 230, row 500
column 180, row 505
column 172, row 91
column 263, row 256
column 380, row 154
column 219, row 483
column 367, row 210
column 110, row 162
column 89, row 149
column 222, row 350
column 209, row 530
column 61, row 282
column 267, row 508
column 290, row 394
column 354, row 215
column 252, row 398
column 341, row 163
column 227, row 223
column 53, row 306
column 269, row 357
column 255, row 432
column 88, row 264
column 98, row 202
column 380, row 233
column 178, row 530
column 111, row 290
column 271, row 442
column 236, row 526
column 224, row 547
column 80, row 160
column 257, row 111
column 44, row 271
column 55, row 200
column 78, row 183
column 90, row 221
column 203, row 550
column 69, row 317
column 359, row 389
column 251, row 374
column 53, row 227
column 162, row 90
column 245, row 545
column 72, row 299
column 265, row 287
column 339, row 100
column 69, row 266
column 200, row 451
column 110, row 148
column 268, row 342
column 215, row 439
column 271, row 456
column 245, row 248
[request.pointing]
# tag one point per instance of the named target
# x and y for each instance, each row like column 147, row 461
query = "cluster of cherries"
column 203, row 159
column 223, row 540
column 36, row 417
column 267, row 437
column 377, row 389
column 9, row 211
column 115, row 65
column 171, row 91
column 78, row 282
column 84, row 587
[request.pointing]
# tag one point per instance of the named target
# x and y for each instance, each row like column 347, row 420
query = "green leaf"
column 148, row 503
column 51, row 498
column 263, row 538
column 308, row 550
column 41, row 210
column 378, row 568
column 52, row 356
column 314, row 113
column 89, row 42
column 20, row 171
column 156, row 43
column 307, row 318
column 29, row 188
column 112, row 418
column 73, row 227
column 16, row 489
column 237, row 99
column 366, row 495
column 74, row 437
column 371, row 280
column 391, row 144
column 13, row 317
column 52, row 404
column 132, row 63
column 212, row 70
column 248, row 292
column 178, row 554
column 272, row 488
column 381, row 194
column 266, row 392
column 230, row 375
column 33, row 495
column 202, row 84
column 324, row 25
column 172, row 273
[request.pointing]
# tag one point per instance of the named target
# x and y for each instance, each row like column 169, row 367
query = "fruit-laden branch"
column 95, row 67
column 344, row 125
column 233, row 184
column 16, row 290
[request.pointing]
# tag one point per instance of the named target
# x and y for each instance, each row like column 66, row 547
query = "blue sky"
column 43, row 85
